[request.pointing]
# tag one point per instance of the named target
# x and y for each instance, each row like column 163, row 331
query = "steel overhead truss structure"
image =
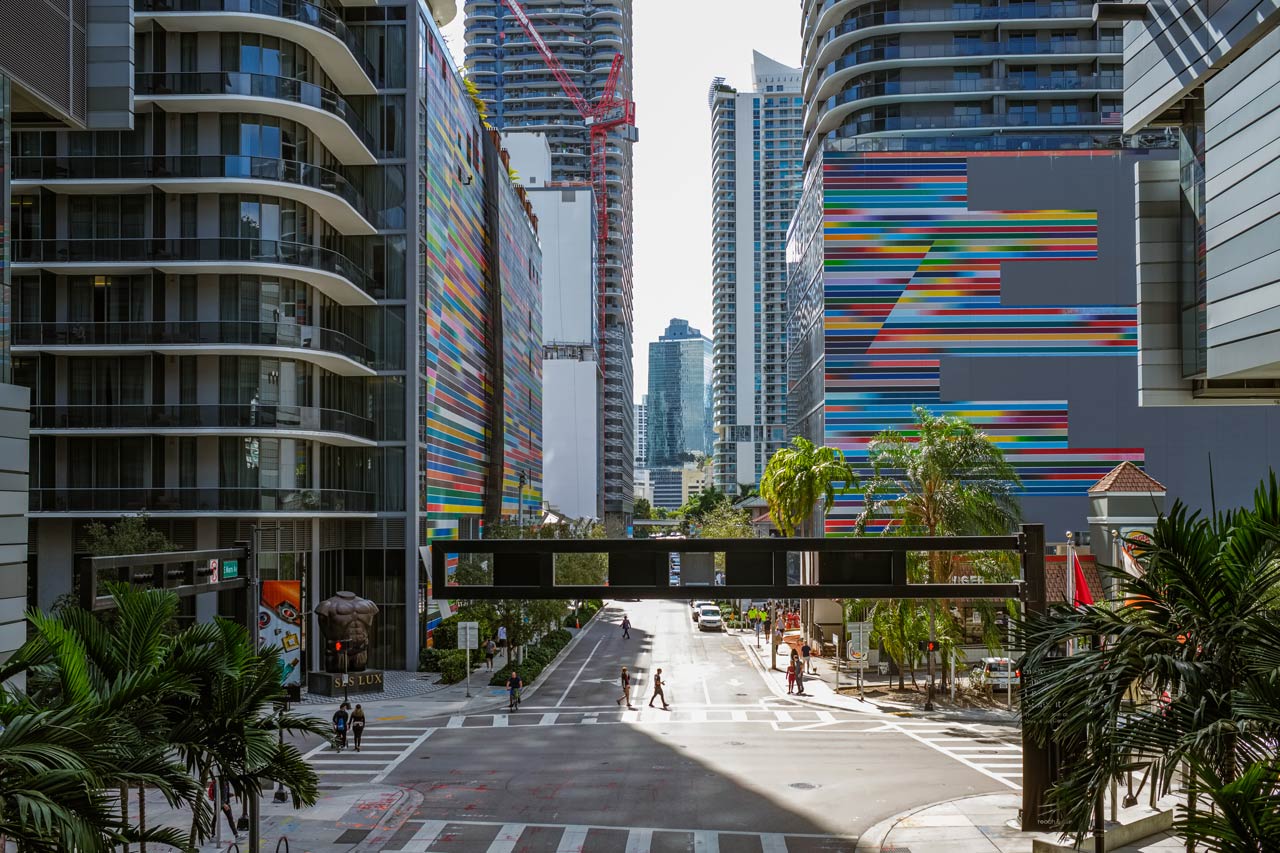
column 864, row 567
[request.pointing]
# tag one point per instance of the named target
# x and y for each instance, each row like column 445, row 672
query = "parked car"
column 698, row 605
column 709, row 619
column 997, row 672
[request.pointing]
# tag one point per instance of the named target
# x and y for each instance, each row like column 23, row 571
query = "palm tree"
column 227, row 725
column 798, row 477
column 1198, row 631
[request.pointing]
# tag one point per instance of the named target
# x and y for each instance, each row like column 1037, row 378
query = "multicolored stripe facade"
column 456, row 397
column 454, row 403
column 911, row 275
column 520, row 259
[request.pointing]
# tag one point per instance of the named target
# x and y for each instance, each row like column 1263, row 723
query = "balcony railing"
column 1026, row 83
column 954, row 122
column 881, row 53
column 200, row 500
column 251, row 416
column 1017, row 12
column 146, row 250
column 254, row 85
column 293, row 10
column 148, row 168
column 208, row 333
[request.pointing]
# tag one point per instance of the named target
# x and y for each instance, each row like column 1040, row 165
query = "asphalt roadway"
column 731, row 767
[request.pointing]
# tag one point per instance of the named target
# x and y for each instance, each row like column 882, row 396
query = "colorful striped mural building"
column 479, row 261
column 910, row 274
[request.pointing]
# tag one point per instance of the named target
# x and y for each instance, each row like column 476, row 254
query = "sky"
column 680, row 45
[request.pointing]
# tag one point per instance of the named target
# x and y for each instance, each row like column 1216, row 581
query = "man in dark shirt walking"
column 626, row 627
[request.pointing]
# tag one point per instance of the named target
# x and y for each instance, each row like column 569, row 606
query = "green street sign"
column 230, row 569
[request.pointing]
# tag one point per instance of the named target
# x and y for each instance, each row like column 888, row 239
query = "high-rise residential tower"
column 523, row 94
column 294, row 300
column 756, row 169
column 642, row 432
column 976, row 75
column 679, row 398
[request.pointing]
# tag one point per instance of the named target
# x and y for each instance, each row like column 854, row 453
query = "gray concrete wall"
column 14, row 480
column 1242, row 192
column 1180, row 45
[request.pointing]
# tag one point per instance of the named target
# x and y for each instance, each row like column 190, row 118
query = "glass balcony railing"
column 145, row 250
column 1026, row 83
column 210, row 333
column 148, row 168
column 880, row 53
column 311, row 14
column 1015, row 12
column 249, row 417
column 958, row 122
column 255, row 85
column 200, row 500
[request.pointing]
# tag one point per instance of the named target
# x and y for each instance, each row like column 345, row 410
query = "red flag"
column 1082, row 594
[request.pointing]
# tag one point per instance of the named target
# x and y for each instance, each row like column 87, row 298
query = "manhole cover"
column 803, row 786
column 736, row 743
column 740, row 694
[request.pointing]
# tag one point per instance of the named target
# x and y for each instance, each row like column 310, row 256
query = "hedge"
column 429, row 660
column 537, row 657
column 453, row 664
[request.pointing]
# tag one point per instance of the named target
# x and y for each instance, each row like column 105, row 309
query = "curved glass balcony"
column 312, row 15
column 889, row 53
column 197, row 500
column 147, row 170
column 210, row 334
column 191, row 253
column 250, row 418
column 242, row 84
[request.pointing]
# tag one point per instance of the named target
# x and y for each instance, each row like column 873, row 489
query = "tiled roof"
column 1127, row 477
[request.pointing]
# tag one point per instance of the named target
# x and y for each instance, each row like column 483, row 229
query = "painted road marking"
column 408, row 750
column 573, row 838
column 574, row 680
column 507, row 839
column 990, row 767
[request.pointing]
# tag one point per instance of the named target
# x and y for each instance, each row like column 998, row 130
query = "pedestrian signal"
column 928, row 645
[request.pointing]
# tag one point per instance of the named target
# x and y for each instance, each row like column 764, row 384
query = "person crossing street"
column 357, row 725
column 625, row 680
column 658, row 685
column 626, row 627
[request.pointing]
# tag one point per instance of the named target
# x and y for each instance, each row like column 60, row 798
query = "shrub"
column 429, row 660
column 453, row 665
column 556, row 640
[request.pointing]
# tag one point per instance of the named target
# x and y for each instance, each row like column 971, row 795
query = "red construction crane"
column 608, row 113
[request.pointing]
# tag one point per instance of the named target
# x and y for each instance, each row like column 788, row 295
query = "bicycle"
column 513, row 701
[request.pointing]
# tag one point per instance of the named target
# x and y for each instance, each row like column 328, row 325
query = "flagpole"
column 1071, row 586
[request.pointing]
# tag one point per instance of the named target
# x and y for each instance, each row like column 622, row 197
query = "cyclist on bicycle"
column 514, row 683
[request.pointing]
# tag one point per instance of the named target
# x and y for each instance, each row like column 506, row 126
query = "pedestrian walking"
column 658, row 684
column 340, row 720
column 357, row 725
column 225, row 788
column 625, row 680
column 791, row 678
column 490, row 649
column 768, row 625
column 626, row 627
column 502, row 635
column 805, row 651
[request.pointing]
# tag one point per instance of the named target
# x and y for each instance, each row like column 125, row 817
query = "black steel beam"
column 999, row 591
column 892, row 544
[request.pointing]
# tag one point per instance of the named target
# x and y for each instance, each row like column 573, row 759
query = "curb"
column 872, row 841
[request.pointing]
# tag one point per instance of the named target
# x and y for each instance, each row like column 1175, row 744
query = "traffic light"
column 337, row 645
column 928, row 645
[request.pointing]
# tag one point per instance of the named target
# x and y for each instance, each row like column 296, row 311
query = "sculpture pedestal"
column 330, row 683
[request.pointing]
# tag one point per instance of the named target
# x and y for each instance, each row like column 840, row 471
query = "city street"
column 730, row 767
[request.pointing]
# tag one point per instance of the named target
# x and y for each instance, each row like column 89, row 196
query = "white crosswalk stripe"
column 495, row 837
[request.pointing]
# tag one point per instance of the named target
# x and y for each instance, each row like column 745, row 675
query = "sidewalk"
column 432, row 700
column 820, row 689
column 986, row 823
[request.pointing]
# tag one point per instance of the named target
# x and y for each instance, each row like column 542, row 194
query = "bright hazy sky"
column 680, row 46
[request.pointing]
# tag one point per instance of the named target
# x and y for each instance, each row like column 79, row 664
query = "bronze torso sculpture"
column 349, row 618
